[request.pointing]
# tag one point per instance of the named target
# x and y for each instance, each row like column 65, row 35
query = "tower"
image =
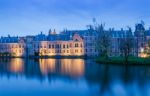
column 50, row 31
column 140, row 37
column 54, row 31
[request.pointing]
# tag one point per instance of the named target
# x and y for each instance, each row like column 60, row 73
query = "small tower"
column 54, row 31
column 50, row 31
column 41, row 32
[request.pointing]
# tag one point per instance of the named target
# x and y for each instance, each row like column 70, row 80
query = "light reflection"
column 100, row 79
column 47, row 65
column 73, row 67
column 17, row 65
column 69, row 67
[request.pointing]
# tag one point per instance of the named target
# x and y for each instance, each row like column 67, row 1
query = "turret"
column 50, row 31
column 54, row 31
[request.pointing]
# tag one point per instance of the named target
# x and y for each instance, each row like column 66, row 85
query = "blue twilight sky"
column 27, row 17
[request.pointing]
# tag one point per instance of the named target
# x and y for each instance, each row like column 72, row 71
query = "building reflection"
column 47, row 65
column 16, row 65
column 105, row 77
column 73, row 67
column 68, row 67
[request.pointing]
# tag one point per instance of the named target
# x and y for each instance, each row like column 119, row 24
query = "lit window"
column 76, row 45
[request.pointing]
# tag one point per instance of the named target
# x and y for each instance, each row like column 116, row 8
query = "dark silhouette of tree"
column 126, row 46
column 103, row 41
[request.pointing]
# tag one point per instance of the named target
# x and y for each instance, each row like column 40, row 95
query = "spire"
column 50, row 31
column 94, row 21
column 8, row 35
column 142, row 22
column 41, row 32
column 54, row 31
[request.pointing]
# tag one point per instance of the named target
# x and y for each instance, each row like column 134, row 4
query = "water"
column 71, row 77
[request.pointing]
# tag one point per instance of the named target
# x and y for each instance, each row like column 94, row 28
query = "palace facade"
column 72, row 43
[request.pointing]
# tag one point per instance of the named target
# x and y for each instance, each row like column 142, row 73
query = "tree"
column 103, row 41
column 126, row 46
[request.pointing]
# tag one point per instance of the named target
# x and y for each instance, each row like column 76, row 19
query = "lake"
column 71, row 77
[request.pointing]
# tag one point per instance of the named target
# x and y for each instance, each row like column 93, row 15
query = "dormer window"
column 76, row 40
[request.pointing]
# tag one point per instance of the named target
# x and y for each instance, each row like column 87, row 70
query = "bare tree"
column 103, row 41
column 126, row 46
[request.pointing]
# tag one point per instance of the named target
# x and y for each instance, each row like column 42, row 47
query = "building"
column 12, row 46
column 57, row 45
column 73, row 43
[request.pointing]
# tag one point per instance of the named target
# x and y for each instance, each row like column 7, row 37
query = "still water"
column 71, row 77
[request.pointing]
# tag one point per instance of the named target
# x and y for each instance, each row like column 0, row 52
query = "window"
column 49, row 46
column 64, row 46
column 52, row 46
column 86, row 50
column 76, row 40
column 57, row 46
column 67, row 46
column 76, row 51
column 19, row 46
column 76, row 45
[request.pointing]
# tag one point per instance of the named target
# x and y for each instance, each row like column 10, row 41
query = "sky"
column 30, row 17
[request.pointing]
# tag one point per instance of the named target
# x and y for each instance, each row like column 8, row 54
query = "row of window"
column 14, row 51
column 59, row 46
column 11, row 46
column 61, row 51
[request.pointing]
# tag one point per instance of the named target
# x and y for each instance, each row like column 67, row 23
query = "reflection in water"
column 71, row 67
column 47, row 65
column 76, row 77
column 16, row 65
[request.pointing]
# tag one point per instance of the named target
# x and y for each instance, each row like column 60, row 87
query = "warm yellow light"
column 143, row 55
column 16, row 65
column 73, row 67
column 47, row 65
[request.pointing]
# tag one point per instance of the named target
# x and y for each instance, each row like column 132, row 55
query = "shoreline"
column 138, row 61
column 47, row 57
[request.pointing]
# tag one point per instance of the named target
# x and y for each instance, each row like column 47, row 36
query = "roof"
column 9, row 39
